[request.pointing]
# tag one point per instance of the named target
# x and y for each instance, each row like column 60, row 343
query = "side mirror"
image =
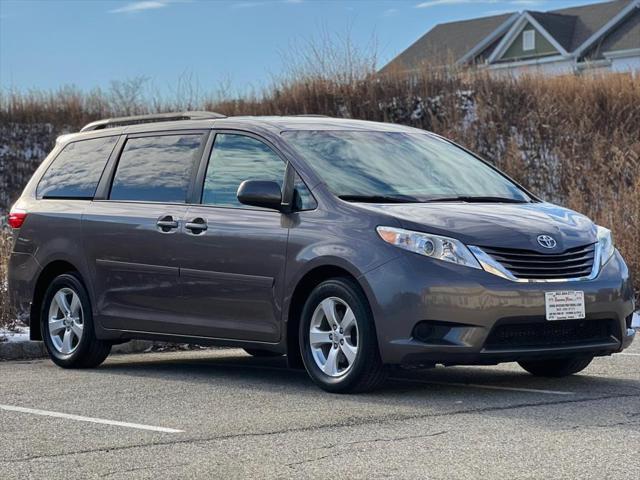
column 260, row 193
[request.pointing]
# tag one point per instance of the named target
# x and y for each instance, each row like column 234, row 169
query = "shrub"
column 572, row 140
column 5, row 317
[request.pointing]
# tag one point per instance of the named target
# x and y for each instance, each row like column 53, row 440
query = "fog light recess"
column 433, row 332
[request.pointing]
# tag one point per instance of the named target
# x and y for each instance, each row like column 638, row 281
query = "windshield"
column 400, row 167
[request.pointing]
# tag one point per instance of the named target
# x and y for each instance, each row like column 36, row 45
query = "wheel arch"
column 46, row 276
column 303, row 287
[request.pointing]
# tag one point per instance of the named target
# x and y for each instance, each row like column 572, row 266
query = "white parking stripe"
column 80, row 418
column 488, row 387
column 630, row 354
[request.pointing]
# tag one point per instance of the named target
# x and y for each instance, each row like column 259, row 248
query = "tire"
column 70, row 339
column 561, row 367
column 365, row 371
column 261, row 353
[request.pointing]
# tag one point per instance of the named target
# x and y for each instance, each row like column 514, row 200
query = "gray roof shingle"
column 591, row 18
column 561, row 27
column 625, row 37
column 447, row 42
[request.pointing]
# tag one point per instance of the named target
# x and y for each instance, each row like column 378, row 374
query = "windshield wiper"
column 378, row 199
column 470, row 199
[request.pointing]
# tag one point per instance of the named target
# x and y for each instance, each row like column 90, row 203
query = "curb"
column 29, row 350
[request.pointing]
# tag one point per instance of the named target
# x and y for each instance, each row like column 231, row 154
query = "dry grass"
column 6, row 321
column 572, row 140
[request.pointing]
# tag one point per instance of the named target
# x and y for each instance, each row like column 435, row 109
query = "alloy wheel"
column 66, row 321
column 333, row 337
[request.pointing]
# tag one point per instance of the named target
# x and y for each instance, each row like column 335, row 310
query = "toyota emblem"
column 547, row 241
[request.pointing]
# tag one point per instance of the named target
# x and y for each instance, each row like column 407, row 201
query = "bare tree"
column 330, row 56
column 126, row 97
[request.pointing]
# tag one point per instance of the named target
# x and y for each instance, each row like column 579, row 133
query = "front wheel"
column 561, row 367
column 338, row 340
column 67, row 325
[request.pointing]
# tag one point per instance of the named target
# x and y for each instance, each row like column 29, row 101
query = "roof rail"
column 156, row 117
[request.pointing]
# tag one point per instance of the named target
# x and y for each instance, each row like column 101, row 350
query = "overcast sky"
column 48, row 43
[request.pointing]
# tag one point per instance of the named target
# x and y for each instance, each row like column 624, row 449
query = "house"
column 596, row 37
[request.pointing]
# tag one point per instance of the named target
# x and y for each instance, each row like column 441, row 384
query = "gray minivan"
column 347, row 245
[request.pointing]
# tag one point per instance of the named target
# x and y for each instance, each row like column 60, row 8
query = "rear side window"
column 234, row 159
column 156, row 169
column 76, row 171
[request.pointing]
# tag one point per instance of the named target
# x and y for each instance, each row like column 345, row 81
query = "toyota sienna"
column 347, row 245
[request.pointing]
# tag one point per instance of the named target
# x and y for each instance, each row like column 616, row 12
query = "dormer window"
column 528, row 40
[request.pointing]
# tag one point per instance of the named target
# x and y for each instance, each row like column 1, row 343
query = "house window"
column 528, row 40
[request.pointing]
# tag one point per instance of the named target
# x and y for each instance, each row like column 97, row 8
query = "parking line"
column 630, row 354
column 487, row 387
column 80, row 418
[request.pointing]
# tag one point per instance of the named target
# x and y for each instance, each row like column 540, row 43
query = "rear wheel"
column 561, row 367
column 67, row 325
column 338, row 340
column 261, row 353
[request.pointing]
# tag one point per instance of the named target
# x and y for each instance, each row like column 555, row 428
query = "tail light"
column 17, row 218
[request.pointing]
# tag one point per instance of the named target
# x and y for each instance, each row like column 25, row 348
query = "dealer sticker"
column 564, row 305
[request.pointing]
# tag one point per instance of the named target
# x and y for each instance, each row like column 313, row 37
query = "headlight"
column 605, row 244
column 441, row 248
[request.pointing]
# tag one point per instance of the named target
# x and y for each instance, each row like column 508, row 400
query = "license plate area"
column 564, row 305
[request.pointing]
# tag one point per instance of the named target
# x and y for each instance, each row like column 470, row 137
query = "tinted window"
column 156, row 169
column 234, row 159
column 76, row 171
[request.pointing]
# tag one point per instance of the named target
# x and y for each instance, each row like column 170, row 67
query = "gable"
column 591, row 18
column 446, row 43
column 626, row 36
column 560, row 27
column 529, row 43
column 587, row 31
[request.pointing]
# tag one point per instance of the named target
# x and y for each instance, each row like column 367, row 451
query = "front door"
column 234, row 255
column 133, row 237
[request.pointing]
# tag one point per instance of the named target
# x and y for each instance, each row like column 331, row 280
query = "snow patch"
column 20, row 334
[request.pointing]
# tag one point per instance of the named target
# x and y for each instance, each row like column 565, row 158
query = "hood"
column 496, row 224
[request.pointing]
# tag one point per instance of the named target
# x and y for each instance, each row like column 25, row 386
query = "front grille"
column 550, row 334
column 528, row 264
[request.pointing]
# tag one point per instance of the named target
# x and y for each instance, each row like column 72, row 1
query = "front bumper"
column 464, row 306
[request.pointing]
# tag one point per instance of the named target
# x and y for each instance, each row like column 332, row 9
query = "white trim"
column 630, row 52
column 606, row 27
column 507, row 39
column 515, row 31
column 547, row 35
column 486, row 41
column 533, row 61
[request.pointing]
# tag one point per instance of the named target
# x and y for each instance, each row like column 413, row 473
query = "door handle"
column 196, row 226
column 166, row 224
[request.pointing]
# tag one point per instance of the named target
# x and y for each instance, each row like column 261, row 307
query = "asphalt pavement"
column 223, row 414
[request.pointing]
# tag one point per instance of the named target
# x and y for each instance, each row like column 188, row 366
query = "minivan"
column 348, row 246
